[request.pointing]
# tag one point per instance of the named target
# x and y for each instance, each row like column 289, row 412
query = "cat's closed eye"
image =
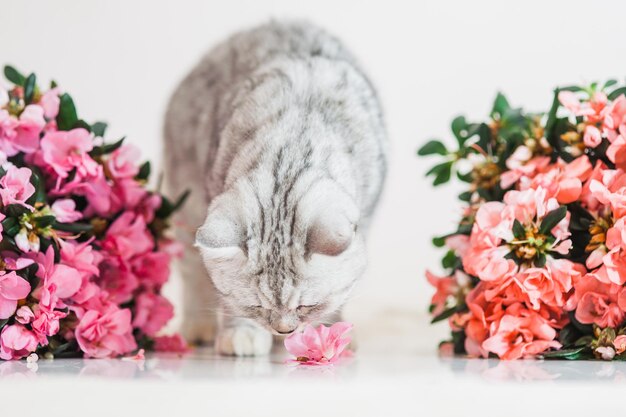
column 303, row 310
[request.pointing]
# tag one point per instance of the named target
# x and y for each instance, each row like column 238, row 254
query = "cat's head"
column 283, row 260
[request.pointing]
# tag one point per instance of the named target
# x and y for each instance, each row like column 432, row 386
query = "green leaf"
column 541, row 260
column 82, row 124
column 44, row 221
column 500, row 106
column 144, row 171
column 460, row 129
column 15, row 210
column 67, row 117
column 464, row 177
column 609, row 83
column 98, row 129
column 72, row 227
column 181, row 200
column 107, row 149
column 444, row 315
column 518, row 230
column 484, row 135
column 466, row 196
column 13, row 75
column 29, row 88
column 442, row 172
column 433, row 147
column 570, row 354
column 439, row 241
column 617, row 92
column 10, row 226
column 572, row 88
column 552, row 219
column 450, row 260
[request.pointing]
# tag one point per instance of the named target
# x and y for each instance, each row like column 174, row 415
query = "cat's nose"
column 283, row 327
column 284, row 323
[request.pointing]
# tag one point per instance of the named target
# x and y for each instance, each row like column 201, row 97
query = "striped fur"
column 280, row 134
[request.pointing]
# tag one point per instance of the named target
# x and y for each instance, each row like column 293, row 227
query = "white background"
column 430, row 60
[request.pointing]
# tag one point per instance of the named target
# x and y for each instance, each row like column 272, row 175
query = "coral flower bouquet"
column 83, row 253
column 537, row 264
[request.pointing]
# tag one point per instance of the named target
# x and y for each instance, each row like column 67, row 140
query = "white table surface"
column 388, row 376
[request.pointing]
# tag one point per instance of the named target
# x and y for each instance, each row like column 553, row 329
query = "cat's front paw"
column 243, row 340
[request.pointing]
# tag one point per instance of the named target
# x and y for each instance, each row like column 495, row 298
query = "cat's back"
column 203, row 101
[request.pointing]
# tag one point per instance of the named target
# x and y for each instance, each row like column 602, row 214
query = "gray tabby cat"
column 280, row 134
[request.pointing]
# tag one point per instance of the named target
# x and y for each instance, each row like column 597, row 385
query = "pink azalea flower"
column 59, row 282
column 27, row 131
column 128, row 236
column 117, row 278
column 319, row 346
column 122, row 163
column 173, row 343
column 80, row 256
column 152, row 269
column 105, row 333
column 50, row 102
column 521, row 335
column 24, row 315
column 620, row 344
column 563, row 181
column 46, row 323
column 152, row 312
column 65, row 211
column 12, row 289
column 598, row 303
column 15, row 186
column 445, row 287
column 64, row 151
column 16, row 342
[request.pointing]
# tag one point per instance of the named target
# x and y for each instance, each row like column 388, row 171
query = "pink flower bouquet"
column 83, row 255
column 537, row 265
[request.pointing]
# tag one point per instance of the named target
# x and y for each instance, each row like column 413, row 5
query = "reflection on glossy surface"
column 205, row 365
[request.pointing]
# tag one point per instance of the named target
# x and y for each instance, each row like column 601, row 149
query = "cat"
column 280, row 137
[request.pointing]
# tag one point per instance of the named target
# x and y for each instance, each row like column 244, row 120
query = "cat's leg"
column 238, row 336
column 199, row 299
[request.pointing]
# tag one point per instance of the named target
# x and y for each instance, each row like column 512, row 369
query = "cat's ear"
column 330, row 234
column 332, row 220
column 221, row 236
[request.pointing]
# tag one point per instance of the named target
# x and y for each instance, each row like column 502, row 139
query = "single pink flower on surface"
column 65, row 211
column 17, row 342
column 12, row 289
column 15, row 186
column 122, row 163
column 106, row 333
column 173, row 343
column 64, row 151
column 152, row 312
column 321, row 346
column 140, row 356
